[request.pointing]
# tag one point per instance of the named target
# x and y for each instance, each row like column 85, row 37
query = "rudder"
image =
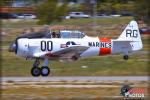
column 131, row 33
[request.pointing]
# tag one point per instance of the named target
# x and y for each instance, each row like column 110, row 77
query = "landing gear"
column 36, row 63
column 37, row 71
column 45, row 71
column 125, row 57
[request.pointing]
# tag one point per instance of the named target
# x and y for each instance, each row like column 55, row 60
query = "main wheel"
column 45, row 71
column 125, row 57
column 35, row 71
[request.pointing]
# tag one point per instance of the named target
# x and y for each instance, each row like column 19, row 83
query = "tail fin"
column 131, row 33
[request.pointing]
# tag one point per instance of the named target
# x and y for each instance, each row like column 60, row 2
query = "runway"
column 76, row 78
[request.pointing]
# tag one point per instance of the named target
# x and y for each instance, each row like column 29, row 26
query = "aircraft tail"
column 131, row 34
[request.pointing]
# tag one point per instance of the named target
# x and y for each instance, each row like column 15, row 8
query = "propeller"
column 12, row 47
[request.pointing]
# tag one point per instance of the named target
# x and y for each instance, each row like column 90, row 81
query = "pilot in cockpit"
column 55, row 35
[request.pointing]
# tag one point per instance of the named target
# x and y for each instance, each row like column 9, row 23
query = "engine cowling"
column 22, row 47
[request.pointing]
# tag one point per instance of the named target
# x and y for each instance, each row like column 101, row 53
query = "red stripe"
column 104, row 40
column 105, row 50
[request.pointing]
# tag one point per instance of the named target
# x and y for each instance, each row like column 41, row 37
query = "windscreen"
column 71, row 34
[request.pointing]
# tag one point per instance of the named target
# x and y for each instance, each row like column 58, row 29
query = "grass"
column 32, row 23
column 58, row 93
column 43, row 91
column 35, row 93
column 104, row 65
column 97, row 20
column 11, row 24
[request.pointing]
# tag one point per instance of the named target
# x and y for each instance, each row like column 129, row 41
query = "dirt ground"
column 74, row 90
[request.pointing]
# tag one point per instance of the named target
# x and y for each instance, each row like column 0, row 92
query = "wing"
column 69, row 52
column 73, row 49
column 40, row 54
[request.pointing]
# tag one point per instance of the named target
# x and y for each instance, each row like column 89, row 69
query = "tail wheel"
column 45, row 71
column 74, row 58
column 35, row 71
column 125, row 57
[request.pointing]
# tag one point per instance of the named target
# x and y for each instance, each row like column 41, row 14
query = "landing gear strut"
column 37, row 71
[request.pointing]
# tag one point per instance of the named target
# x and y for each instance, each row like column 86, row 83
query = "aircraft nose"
column 12, row 47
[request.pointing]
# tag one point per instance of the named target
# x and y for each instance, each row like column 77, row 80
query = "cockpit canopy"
column 51, row 34
column 71, row 34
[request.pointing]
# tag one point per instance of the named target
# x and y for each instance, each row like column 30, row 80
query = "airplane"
column 71, row 45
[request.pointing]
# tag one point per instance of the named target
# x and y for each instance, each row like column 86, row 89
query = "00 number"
column 46, row 45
